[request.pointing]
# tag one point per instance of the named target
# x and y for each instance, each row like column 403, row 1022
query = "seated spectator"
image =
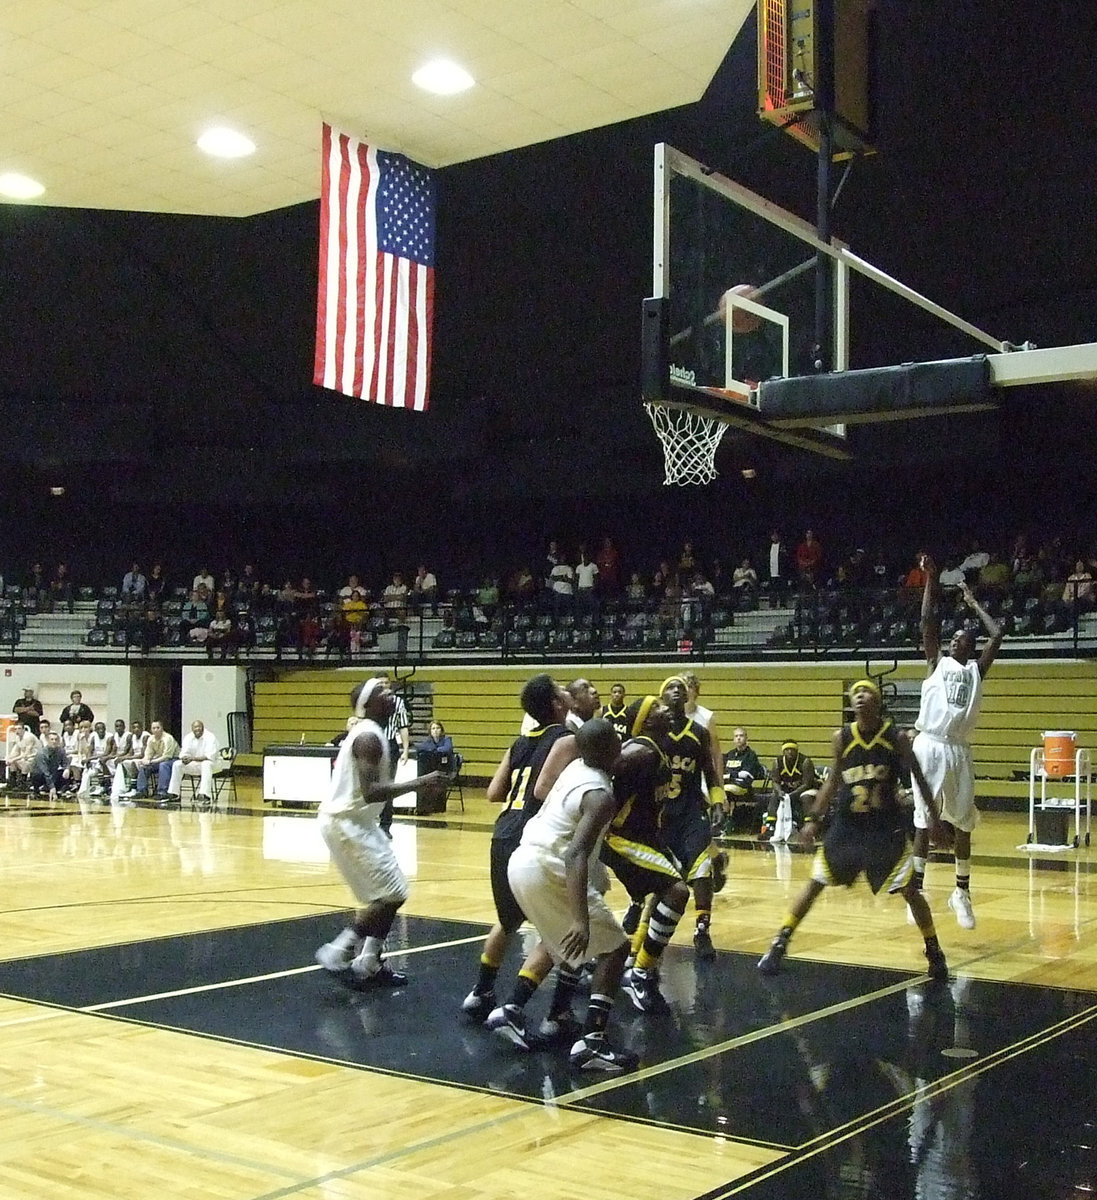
column 353, row 589
column 722, row 584
column 487, row 598
column 662, row 576
column 22, row 750
column 203, row 580
column 195, row 618
column 744, row 584
column 994, row 578
column 636, row 593
column 134, row 585
column 686, row 561
column 161, row 751
column 245, row 629
column 1028, row 579
column 221, row 629
column 229, row 585
column 698, row 603
column 1079, row 591
column 912, row 584
column 199, row 756
column 608, row 562
column 522, row 587
column 424, row 590
column 435, row 751
column 248, row 586
column 156, row 583
column 37, row 586
column 306, row 591
column 61, row 589
column 52, row 771
column 395, row 598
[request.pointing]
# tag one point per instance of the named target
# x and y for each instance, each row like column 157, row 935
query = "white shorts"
column 950, row 773
column 540, row 887
column 364, row 856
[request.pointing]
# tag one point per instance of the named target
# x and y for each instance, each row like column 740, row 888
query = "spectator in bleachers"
column 221, row 629
column 608, row 562
column 744, row 583
column 134, row 585
column 61, row 589
column 21, row 751
column 203, row 580
column 721, row 583
column 1079, row 592
column 156, row 583
column 395, row 598
column 662, row 576
column 487, row 598
column 994, row 577
column 562, row 583
column 636, row 593
column 698, row 603
column 37, row 584
column 687, row 561
column 521, row 587
column 248, row 586
column 1028, row 577
column 229, row 584
column 809, row 560
column 586, row 580
column 424, row 590
column 776, row 570
column 553, row 558
column 194, row 620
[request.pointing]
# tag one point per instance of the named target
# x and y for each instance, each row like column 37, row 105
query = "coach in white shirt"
column 197, row 756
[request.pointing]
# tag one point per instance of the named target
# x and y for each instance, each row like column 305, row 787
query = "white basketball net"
column 689, row 443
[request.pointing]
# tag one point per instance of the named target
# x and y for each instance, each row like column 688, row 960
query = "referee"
column 397, row 733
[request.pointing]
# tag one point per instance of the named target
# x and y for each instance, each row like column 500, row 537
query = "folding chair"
column 455, row 788
column 223, row 778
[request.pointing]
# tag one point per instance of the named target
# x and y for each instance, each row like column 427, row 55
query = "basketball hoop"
column 689, row 443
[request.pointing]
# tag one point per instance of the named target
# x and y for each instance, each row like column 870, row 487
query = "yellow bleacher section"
column 480, row 710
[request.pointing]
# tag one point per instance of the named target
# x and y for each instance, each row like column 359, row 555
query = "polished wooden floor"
column 165, row 1031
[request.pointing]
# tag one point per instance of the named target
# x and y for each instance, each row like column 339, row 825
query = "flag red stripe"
column 374, row 309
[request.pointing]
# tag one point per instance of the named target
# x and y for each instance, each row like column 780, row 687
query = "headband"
column 673, row 679
column 791, row 746
column 368, row 688
column 867, row 685
column 642, row 714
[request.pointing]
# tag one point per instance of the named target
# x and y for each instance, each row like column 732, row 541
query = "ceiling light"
column 749, row 472
column 19, row 187
column 225, row 143
column 57, row 490
column 442, row 77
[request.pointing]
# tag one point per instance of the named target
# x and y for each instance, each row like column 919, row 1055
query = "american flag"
column 375, row 307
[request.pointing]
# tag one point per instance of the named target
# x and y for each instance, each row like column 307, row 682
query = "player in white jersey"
column 951, row 695
column 361, row 785
column 550, row 875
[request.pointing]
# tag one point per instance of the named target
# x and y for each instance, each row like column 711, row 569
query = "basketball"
column 741, row 320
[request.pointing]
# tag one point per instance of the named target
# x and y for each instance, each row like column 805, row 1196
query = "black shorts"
column 507, row 908
column 687, row 834
column 643, row 870
column 846, row 853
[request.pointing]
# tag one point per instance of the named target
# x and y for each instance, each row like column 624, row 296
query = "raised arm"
column 993, row 629
column 931, row 632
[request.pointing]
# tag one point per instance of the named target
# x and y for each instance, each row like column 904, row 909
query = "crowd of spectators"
column 230, row 610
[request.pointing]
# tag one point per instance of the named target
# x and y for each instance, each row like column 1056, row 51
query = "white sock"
column 369, row 957
column 919, row 865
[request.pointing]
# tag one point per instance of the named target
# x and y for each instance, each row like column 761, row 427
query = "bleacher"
column 479, row 706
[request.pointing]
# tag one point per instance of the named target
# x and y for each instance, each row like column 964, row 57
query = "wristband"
column 716, row 795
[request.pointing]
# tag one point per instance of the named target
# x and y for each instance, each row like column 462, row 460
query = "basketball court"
column 167, row 1030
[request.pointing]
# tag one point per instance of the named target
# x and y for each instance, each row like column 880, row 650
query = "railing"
column 816, row 624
